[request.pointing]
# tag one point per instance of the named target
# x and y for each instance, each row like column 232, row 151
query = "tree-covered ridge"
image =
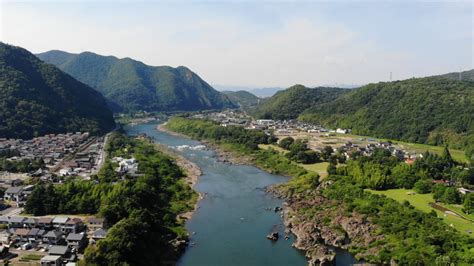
column 432, row 110
column 130, row 85
column 465, row 75
column 38, row 98
column 243, row 99
column 290, row 103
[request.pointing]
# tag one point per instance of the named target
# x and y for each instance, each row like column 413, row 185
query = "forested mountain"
column 243, row 99
column 465, row 75
column 432, row 110
column 290, row 103
column 37, row 98
column 132, row 86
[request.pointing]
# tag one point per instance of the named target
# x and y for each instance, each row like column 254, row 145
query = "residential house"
column 45, row 222
column 77, row 241
column 29, row 222
column 5, row 237
column 16, row 222
column 35, row 234
column 59, row 223
column 99, row 234
column 62, row 251
column 94, row 224
column 51, row 260
column 53, row 237
column 14, row 194
column 22, row 234
column 73, row 225
column 4, row 220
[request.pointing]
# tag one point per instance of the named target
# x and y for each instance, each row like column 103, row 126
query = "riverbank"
column 192, row 173
column 315, row 239
column 222, row 154
column 320, row 228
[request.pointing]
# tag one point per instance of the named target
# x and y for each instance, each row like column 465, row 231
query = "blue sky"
column 257, row 44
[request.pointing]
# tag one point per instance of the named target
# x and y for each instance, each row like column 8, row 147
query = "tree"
column 423, row 186
column 451, row 196
column 447, row 156
column 468, row 206
column 326, row 152
column 286, row 143
column 332, row 169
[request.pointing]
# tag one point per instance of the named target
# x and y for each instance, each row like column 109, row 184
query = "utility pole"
column 390, row 76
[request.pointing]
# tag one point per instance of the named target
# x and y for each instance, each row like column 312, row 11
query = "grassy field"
column 421, row 202
column 320, row 168
column 275, row 147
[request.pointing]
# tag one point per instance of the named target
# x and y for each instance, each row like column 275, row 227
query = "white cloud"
column 303, row 50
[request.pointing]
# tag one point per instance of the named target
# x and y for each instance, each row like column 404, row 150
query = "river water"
column 232, row 220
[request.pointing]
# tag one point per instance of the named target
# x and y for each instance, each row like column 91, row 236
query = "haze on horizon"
column 253, row 44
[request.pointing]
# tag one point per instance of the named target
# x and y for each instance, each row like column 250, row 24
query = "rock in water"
column 273, row 236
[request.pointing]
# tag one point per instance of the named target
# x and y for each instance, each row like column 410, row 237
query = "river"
column 232, row 220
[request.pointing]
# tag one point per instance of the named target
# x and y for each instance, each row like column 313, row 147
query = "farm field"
column 422, row 203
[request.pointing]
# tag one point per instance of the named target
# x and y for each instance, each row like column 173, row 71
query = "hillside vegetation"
column 243, row 99
column 38, row 98
column 290, row 103
column 130, row 85
column 465, row 75
column 432, row 110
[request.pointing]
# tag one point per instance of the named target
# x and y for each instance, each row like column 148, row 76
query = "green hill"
column 243, row 99
column 432, row 110
column 465, row 75
column 130, row 85
column 37, row 98
column 290, row 103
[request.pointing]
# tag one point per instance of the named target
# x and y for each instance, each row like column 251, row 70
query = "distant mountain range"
column 37, row 98
column 290, row 103
column 259, row 92
column 130, row 85
column 243, row 99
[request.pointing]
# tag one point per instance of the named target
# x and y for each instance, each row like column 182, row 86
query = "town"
column 56, row 240
column 317, row 136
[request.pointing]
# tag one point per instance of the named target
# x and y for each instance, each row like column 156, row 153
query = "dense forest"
column 130, row 85
column 38, row 98
column 243, row 99
column 290, row 103
column 403, row 234
column 140, row 211
column 432, row 110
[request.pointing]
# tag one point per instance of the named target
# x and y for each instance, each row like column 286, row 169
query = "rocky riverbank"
column 320, row 227
column 222, row 155
column 317, row 234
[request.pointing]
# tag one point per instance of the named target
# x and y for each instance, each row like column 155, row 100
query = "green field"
column 320, row 168
column 275, row 147
column 421, row 202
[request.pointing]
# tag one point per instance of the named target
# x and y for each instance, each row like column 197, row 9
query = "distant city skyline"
column 255, row 45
